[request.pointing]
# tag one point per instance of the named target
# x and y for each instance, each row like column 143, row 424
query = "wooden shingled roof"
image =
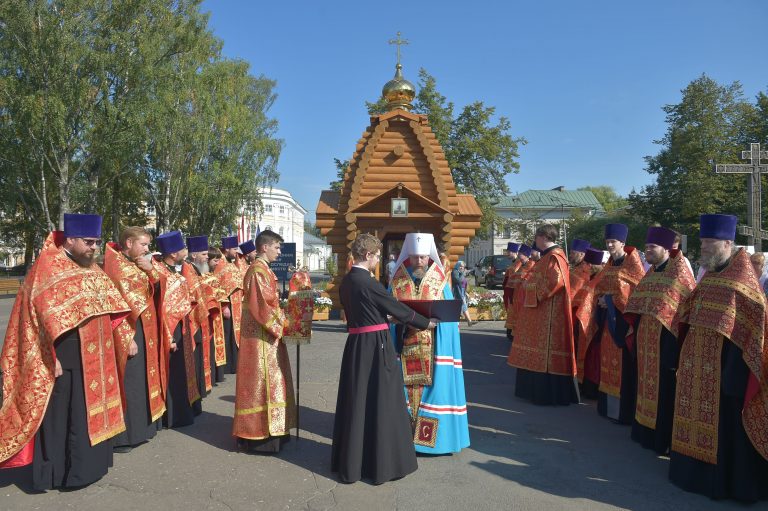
column 397, row 147
column 398, row 156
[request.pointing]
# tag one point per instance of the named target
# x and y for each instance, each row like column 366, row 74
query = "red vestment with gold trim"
column 514, row 306
column 417, row 356
column 544, row 333
column 175, row 306
column 580, row 275
column 137, row 290
column 651, row 307
column 510, row 281
column 264, row 400
column 58, row 295
column 198, row 320
column 726, row 306
column 231, row 280
column 618, row 282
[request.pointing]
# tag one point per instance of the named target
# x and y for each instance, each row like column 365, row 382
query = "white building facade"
column 316, row 253
column 279, row 213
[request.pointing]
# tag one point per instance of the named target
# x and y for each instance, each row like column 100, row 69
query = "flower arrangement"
column 488, row 302
column 322, row 303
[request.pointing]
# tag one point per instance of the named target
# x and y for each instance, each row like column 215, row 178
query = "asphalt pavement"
column 522, row 457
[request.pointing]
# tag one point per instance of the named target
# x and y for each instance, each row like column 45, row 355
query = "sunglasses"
column 91, row 242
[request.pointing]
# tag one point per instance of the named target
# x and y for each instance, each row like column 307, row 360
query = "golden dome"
column 399, row 92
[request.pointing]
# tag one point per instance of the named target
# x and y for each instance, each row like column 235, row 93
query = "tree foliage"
column 111, row 107
column 712, row 123
column 606, row 196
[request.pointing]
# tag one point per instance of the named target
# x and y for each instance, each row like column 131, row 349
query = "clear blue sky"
column 583, row 82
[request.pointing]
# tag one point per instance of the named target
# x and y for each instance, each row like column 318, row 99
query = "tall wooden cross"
column 399, row 42
column 753, row 230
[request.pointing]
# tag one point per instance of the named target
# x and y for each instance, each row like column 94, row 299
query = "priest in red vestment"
column 720, row 430
column 514, row 283
column 231, row 280
column 178, row 376
column 129, row 266
column 584, row 306
column 265, row 409
column 613, row 285
column 580, row 271
column 62, row 402
column 543, row 351
column 248, row 255
column 650, row 311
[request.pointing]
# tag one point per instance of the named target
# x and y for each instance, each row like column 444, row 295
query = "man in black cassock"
column 372, row 435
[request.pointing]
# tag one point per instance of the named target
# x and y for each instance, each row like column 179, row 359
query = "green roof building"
column 524, row 211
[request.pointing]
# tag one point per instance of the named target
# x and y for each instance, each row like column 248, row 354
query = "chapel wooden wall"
column 398, row 155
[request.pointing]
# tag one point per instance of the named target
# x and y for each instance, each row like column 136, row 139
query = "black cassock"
column 138, row 419
column 741, row 473
column 231, row 346
column 372, row 436
column 178, row 410
column 63, row 456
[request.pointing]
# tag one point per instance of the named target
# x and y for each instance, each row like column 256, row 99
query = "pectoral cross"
column 753, row 230
column 399, row 42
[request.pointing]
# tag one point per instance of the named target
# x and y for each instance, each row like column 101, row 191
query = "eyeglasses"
column 91, row 242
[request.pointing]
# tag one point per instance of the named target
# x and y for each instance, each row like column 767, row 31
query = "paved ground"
column 522, row 456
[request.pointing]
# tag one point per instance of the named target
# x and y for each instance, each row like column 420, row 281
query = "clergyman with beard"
column 431, row 360
column 192, row 269
column 62, row 401
column 651, row 310
column 719, row 442
column 180, row 386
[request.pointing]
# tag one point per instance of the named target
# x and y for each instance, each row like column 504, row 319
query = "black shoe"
column 122, row 449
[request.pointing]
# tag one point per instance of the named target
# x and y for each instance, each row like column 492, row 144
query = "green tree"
column 606, row 196
column 341, row 169
column 710, row 124
column 108, row 107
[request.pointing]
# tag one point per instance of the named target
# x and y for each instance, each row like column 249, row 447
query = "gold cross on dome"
column 399, row 42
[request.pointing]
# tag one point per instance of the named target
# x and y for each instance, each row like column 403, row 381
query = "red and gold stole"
column 198, row 319
column 57, row 296
column 514, row 306
column 619, row 282
column 269, row 315
column 651, row 307
column 544, row 336
column 298, row 311
column 137, row 290
column 510, row 282
column 418, row 348
column 584, row 320
column 264, row 403
column 579, row 275
column 725, row 305
column 174, row 306
column 215, row 296
column 231, row 280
